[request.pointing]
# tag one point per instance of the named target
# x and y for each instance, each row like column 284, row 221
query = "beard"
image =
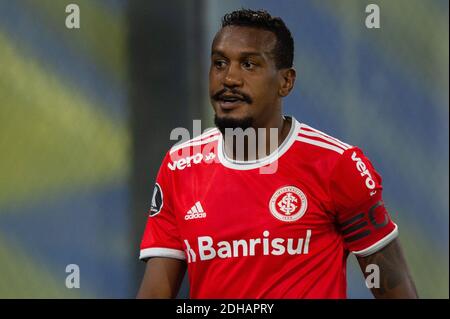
column 225, row 122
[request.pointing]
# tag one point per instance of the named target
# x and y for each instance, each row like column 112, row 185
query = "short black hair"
column 261, row 19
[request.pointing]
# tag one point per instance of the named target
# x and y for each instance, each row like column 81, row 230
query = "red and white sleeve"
column 161, row 236
column 356, row 191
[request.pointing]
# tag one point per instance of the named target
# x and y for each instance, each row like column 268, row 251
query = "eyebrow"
column 245, row 53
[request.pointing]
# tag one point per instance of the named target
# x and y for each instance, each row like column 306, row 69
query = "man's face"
column 243, row 78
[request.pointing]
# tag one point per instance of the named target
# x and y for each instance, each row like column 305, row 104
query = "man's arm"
column 162, row 278
column 395, row 278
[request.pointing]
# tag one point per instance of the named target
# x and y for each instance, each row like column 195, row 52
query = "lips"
column 229, row 102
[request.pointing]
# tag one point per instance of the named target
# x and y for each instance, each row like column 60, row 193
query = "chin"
column 232, row 121
column 230, row 116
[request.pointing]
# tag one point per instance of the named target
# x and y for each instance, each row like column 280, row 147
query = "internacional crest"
column 288, row 204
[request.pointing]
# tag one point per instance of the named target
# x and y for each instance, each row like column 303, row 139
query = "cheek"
column 266, row 89
column 213, row 84
column 214, row 79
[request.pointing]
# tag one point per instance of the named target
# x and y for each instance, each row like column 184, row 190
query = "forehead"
column 241, row 38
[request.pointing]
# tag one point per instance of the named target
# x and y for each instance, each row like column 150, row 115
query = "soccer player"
column 283, row 233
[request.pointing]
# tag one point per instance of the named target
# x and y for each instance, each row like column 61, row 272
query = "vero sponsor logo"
column 189, row 161
column 362, row 168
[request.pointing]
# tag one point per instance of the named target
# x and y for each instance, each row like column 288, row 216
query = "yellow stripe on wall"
column 51, row 137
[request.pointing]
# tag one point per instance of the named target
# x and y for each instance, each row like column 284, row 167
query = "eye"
column 248, row 65
column 219, row 64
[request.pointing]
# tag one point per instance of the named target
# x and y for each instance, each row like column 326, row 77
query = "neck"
column 257, row 142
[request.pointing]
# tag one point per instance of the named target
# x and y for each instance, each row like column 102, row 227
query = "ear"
column 287, row 80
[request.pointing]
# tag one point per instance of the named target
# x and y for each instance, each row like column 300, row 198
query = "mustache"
column 218, row 95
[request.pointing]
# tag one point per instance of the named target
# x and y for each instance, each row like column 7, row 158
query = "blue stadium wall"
column 66, row 142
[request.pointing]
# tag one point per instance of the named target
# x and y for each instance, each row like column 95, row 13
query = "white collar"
column 275, row 155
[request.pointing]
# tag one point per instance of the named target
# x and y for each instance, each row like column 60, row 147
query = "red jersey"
column 285, row 233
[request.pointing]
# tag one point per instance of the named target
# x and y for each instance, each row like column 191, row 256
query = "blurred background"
column 85, row 118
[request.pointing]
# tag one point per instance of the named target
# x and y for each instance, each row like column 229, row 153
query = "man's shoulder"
column 209, row 136
column 202, row 148
column 320, row 144
column 330, row 157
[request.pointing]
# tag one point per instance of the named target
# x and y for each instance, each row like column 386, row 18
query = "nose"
column 232, row 77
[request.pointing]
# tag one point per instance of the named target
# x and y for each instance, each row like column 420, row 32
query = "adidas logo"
column 195, row 212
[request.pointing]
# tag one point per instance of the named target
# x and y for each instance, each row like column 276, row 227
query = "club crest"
column 288, row 204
